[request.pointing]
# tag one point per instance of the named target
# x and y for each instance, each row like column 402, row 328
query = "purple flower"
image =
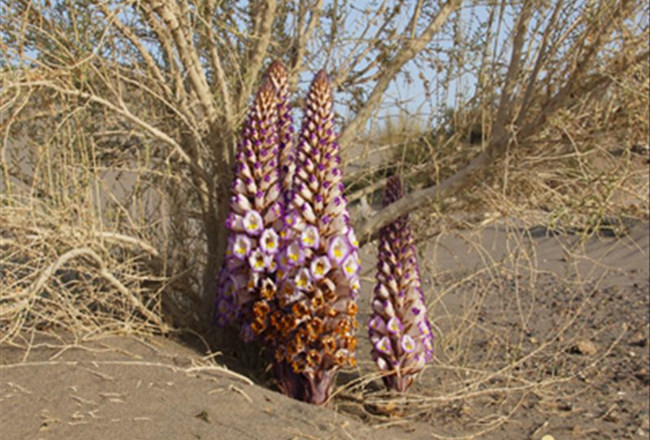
column 399, row 327
column 351, row 265
column 269, row 241
column 258, row 261
column 302, row 279
column 322, row 261
column 320, row 267
column 384, row 346
column 295, row 254
column 310, row 238
column 254, row 221
column 338, row 249
column 394, row 326
column 241, row 246
column 291, row 274
column 225, row 307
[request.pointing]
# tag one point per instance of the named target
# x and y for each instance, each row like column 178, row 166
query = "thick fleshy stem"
column 318, row 268
column 399, row 329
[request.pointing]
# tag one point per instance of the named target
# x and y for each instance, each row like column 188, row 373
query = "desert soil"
column 536, row 334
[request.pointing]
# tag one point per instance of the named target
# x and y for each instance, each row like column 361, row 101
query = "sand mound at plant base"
column 119, row 387
column 550, row 338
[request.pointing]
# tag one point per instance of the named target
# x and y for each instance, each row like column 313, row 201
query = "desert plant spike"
column 399, row 329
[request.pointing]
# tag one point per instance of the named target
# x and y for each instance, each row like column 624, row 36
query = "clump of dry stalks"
column 58, row 274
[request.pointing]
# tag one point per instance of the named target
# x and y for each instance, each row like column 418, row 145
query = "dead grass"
column 58, row 275
column 511, row 331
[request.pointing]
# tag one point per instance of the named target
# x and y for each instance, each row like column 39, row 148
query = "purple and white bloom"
column 407, row 343
column 399, row 326
column 253, row 222
column 241, row 246
column 269, row 241
column 384, row 345
column 302, row 279
column 321, row 261
column 295, row 254
column 255, row 217
column 338, row 249
column 258, row 260
column 320, row 267
column 394, row 326
column 310, row 238
column 351, row 265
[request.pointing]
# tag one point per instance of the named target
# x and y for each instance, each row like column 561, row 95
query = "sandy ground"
column 536, row 334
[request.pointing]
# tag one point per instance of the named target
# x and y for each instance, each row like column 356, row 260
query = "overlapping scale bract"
column 277, row 75
column 399, row 329
column 255, row 218
column 318, row 268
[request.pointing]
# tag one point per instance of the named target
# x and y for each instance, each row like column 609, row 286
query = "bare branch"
column 128, row 33
column 505, row 103
column 410, row 49
column 538, row 63
column 124, row 111
column 166, row 41
column 300, row 42
column 189, row 57
column 261, row 41
column 416, row 200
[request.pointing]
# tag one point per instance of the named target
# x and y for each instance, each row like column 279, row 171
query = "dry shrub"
column 586, row 169
column 84, row 224
column 58, row 275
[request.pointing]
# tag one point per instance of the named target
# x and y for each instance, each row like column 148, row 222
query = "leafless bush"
column 59, row 273
column 121, row 118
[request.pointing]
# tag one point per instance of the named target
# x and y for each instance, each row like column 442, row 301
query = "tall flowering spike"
column 319, row 266
column 277, row 74
column 399, row 329
column 255, row 220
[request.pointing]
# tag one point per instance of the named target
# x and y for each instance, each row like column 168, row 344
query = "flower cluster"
column 319, row 266
column 291, row 275
column 255, row 218
column 399, row 329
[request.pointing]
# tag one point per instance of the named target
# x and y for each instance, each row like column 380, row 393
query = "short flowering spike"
column 254, row 220
column 322, row 261
column 291, row 273
column 399, row 327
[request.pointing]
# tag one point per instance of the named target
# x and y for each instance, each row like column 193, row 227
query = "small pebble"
column 585, row 347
